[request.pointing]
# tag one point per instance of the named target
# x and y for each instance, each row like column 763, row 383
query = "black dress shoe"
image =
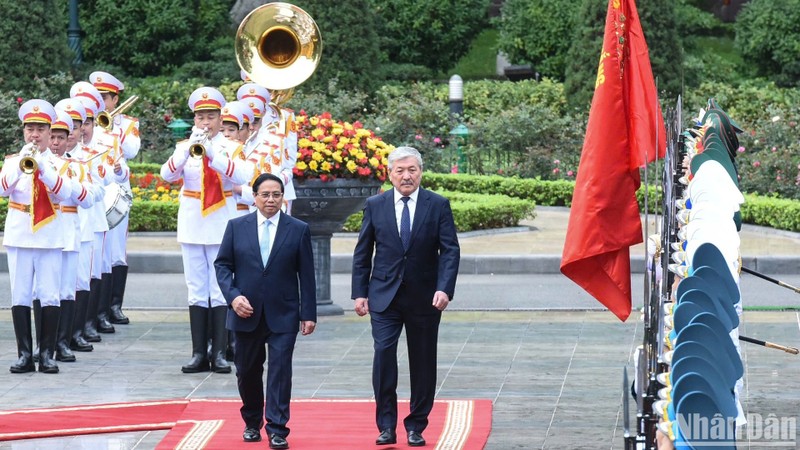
column 415, row 439
column 251, row 435
column 276, row 441
column 387, row 436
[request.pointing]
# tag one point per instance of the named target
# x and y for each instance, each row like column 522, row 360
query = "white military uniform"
column 201, row 234
column 32, row 250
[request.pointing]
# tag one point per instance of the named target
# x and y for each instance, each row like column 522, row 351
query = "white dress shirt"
column 398, row 207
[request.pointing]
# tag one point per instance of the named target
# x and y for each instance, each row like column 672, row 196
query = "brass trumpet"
column 106, row 119
column 28, row 164
column 197, row 150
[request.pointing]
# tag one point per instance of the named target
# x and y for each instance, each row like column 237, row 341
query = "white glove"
column 27, row 149
column 197, row 136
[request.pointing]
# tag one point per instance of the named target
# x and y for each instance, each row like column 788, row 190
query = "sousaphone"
column 279, row 46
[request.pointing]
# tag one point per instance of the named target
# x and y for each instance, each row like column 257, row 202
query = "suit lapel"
column 423, row 205
column 280, row 238
column 251, row 232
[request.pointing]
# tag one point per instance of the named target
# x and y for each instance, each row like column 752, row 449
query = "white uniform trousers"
column 23, row 266
column 84, row 271
column 201, row 278
column 116, row 241
column 69, row 275
column 98, row 268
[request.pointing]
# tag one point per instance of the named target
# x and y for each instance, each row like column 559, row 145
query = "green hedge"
column 777, row 213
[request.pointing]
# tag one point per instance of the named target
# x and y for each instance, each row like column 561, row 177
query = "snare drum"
column 118, row 201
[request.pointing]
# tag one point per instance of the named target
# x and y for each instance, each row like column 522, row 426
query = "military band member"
column 102, row 148
column 206, row 204
column 82, row 197
column 76, row 109
column 257, row 98
column 233, row 121
column 33, row 238
column 127, row 129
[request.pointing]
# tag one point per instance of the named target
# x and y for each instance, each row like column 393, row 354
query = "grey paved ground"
column 535, row 344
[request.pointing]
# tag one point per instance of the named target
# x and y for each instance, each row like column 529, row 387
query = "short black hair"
column 266, row 177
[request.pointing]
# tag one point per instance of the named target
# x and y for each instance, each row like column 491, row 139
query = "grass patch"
column 723, row 46
column 481, row 60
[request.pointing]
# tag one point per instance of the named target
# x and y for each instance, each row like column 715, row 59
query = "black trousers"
column 249, row 357
column 422, row 335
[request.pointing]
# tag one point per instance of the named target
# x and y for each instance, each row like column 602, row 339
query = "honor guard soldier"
column 249, row 118
column 257, row 98
column 210, row 166
column 98, row 144
column 127, row 129
column 276, row 143
column 237, row 114
column 88, row 169
column 82, row 197
column 33, row 237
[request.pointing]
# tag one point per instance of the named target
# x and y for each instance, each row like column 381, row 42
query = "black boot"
column 198, row 323
column 220, row 340
column 78, row 343
column 48, row 345
column 119, row 277
column 89, row 327
column 103, row 325
column 21, row 316
column 37, row 325
column 63, row 352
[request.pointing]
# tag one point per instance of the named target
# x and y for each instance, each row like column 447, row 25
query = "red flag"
column 212, row 197
column 624, row 122
column 42, row 209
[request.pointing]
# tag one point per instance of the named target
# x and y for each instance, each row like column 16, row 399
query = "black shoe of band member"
column 198, row 324
column 104, row 305
column 50, row 316
column 21, row 316
column 78, row 343
column 64, row 335
column 119, row 278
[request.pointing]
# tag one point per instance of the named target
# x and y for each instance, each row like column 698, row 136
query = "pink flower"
column 436, row 140
column 570, row 173
column 740, row 149
column 418, row 137
column 756, row 164
column 454, row 169
column 774, row 149
column 778, row 178
column 19, row 100
column 556, row 162
column 556, row 171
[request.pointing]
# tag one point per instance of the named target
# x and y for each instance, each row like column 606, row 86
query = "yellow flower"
column 313, row 166
column 301, row 165
column 326, row 166
column 327, row 139
column 314, row 121
column 317, row 156
column 303, row 143
column 317, row 133
column 374, row 162
column 337, row 156
column 352, row 166
column 160, row 189
column 337, row 130
column 318, row 146
column 154, row 197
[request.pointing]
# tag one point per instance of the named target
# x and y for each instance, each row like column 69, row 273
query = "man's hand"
column 440, row 300
column 241, row 306
column 362, row 306
column 307, row 327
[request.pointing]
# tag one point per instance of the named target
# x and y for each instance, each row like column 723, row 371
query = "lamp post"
column 456, row 91
column 459, row 135
column 179, row 128
column 74, row 33
column 460, row 132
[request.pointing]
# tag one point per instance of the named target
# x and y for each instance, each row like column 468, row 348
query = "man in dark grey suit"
column 413, row 237
column 265, row 269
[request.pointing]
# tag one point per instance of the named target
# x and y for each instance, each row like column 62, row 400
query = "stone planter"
column 325, row 205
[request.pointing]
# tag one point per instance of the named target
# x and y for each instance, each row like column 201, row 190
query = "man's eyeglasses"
column 265, row 195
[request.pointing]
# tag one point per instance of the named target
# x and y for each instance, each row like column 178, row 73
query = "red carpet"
column 213, row 424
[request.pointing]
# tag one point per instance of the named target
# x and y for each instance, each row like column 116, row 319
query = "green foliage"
column 782, row 214
column 351, row 48
column 769, row 39
column 547, row 193
column 34, row 44
column 475, row 211
column 481, row 59
column 149, row 215
column 746, row 102
column 534, row 31
column 343, row 104
column 583, row 55
column 428, row 33
column 154, row 37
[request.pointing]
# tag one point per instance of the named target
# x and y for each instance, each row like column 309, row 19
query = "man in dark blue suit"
column 265, row 269
column 413, row 237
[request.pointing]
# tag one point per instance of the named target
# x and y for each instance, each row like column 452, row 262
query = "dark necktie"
column 405, row 224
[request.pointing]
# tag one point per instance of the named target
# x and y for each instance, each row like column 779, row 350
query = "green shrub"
column 153, row 216
column 428, row 33
column 767, row 36
column 777, row 213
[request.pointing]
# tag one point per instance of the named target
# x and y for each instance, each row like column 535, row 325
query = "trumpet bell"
column 278, row 45
column 28, row 165
column 197, row 151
